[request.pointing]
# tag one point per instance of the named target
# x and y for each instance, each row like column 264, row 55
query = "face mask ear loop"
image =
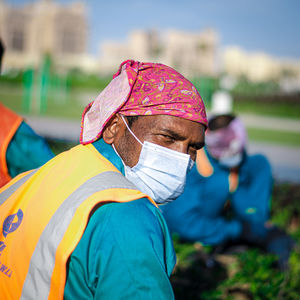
column 130, row 130
column 117, row 152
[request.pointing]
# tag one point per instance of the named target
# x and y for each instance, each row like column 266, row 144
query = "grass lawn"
column 289, row 110
column 71, row 106
column 284, row 110
column 272, row 136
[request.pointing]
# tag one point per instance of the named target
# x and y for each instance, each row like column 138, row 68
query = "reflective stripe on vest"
column 46, row 248
column 9, row 123
column 45, row 212
column 12, row 188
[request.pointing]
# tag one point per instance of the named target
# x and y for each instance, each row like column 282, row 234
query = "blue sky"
column 271, row 26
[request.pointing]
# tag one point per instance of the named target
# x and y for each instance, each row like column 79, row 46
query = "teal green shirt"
column 26, row 151
column 126, row 251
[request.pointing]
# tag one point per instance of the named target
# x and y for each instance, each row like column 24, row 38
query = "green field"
column 286, row 110
column 274, row 136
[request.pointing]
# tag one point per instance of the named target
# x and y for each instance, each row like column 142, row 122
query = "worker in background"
column 21, row 149
column 226, row 176
column 86, row 225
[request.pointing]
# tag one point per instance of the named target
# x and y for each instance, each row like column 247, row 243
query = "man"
column 226, row 176
column 77, row 227
column 21, row 149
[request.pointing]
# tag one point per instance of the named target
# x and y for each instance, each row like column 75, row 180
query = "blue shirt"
column 126, row 251
column 26, row 151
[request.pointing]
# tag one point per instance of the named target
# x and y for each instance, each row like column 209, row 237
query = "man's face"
column 168, row 131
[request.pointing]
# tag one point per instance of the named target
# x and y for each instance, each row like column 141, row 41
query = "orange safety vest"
column 9, row 123
column 44, row 212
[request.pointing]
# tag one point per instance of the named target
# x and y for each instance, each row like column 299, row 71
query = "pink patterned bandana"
column 142, row 89
column 227, row 141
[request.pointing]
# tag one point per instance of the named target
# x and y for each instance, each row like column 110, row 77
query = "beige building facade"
column 192, row 54
column 258, row 67
column 44, row 27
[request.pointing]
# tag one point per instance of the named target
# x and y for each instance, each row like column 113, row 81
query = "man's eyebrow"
column 173, row 134
column 181, row 138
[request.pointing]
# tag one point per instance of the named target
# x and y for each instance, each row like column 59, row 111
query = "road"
column 285, row 160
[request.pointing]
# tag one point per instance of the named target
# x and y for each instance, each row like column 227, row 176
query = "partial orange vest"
column 9, row 123
column 206, row 169
column 44, row 213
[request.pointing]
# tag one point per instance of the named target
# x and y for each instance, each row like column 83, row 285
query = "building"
column 254, row 66
column 259, row 67
column 44, row 27
column 192, row 54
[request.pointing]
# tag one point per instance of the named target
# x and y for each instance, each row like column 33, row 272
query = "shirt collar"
column 109, row 153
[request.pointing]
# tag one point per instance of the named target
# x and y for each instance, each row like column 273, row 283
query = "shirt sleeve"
column 194, row 226
column 26, row 151
column 126, row 252
column 214, row 231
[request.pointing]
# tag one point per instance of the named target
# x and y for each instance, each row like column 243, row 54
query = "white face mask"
column 231, row 161
column 160, row 172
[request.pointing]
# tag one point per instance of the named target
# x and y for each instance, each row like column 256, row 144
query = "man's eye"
column 168, row 138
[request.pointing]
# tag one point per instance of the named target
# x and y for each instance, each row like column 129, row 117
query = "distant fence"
column 206, row 86
column 291, row 98
column 43, row 91
column 41, row 85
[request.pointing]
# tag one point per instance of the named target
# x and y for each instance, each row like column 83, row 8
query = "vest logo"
column 2, row 247
column 9, row 225
column 5, row 270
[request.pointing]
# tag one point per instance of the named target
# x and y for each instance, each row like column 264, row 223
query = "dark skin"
column 175, row 133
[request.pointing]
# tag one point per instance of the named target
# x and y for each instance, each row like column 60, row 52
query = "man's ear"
column 114, row 129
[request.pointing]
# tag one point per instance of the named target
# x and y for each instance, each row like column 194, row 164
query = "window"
column 17, row 40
